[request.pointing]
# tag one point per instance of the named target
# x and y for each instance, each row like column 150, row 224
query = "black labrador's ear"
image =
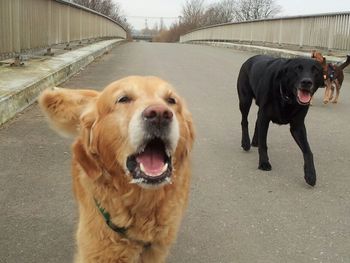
column 321, row 82
column 320, row 77
column 281, row 73
column 284, row 81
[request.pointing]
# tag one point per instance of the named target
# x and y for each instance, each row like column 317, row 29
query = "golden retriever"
column 131, row 167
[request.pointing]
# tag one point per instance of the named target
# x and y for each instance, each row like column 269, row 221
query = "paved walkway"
column 236, row 212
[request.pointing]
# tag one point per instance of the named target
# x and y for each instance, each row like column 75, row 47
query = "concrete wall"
column 324, row 31
column 31, row 24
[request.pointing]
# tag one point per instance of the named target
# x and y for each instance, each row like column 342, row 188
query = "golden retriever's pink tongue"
column 304, row 96
column 152, row 162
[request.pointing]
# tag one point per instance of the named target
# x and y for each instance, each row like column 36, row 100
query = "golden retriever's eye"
column 123, row 99
column 171, row 100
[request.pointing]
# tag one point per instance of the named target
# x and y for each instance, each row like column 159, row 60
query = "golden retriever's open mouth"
column 152, row 165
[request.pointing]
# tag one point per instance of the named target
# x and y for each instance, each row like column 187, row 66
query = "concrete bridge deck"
column 236, row 212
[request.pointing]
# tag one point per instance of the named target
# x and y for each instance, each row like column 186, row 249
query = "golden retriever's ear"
column 86, row 160
column 190, row 130
column 187, row 137
column 63, row 107
column 87, row 121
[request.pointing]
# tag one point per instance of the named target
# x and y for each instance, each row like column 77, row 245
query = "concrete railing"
column 323, row 31
column 31, row 24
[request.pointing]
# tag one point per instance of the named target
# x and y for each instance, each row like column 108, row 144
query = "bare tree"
column 107, row 8
column 172, row 34
column 255, row 9
column 195, row 14
column 161, row 24
column 97, row 5
column 192, row 13
column 218, row 13
column 155, row 27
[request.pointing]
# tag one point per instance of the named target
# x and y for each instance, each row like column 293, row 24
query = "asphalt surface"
column 236, row 213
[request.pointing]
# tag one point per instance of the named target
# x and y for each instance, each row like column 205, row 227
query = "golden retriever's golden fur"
column 108, row 127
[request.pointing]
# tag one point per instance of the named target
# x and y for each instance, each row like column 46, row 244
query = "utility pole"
column 161, row 25
column 146, row 24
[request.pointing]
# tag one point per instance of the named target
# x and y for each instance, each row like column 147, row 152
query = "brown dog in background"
column 131, row 166
column 333, row 75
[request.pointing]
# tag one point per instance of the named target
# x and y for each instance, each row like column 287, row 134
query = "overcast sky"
column 137, row 10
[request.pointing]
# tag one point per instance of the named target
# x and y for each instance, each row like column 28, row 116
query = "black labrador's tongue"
column 304, row 96
column 152, row 161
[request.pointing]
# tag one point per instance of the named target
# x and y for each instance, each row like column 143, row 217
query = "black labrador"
column 282, row 89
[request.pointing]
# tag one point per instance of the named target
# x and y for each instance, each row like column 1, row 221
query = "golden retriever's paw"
column 325, row 101
column 334, row 101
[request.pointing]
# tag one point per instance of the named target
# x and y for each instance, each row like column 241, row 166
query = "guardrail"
column 142, row 37
column 31, row 24
column 323, row 31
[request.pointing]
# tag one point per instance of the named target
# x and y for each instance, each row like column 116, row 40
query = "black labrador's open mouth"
column 303, row 96
column 151, row 165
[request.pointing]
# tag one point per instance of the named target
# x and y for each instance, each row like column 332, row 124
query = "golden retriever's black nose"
column 157, row 114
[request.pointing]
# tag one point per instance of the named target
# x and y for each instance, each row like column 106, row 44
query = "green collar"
column 122, row 231
column 107, row 217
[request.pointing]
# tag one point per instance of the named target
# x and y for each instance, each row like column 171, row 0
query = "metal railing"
column 33, row 24
column 323, row 31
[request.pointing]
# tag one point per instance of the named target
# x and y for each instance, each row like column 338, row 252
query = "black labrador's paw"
column 245, row 144
column 310, row 176
column 265, row 166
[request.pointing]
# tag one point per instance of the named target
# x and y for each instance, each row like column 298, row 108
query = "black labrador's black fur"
column 282, row 89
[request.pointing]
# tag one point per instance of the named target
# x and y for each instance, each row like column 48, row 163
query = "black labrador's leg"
column 263, row 126
column 244, row 106
column 299, row 134
column 255, row 142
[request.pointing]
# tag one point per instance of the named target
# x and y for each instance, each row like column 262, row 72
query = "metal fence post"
column 49, row 17
column 15, row 23
column 301, row 37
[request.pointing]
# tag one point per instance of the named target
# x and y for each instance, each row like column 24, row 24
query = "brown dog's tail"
column 346, row 63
